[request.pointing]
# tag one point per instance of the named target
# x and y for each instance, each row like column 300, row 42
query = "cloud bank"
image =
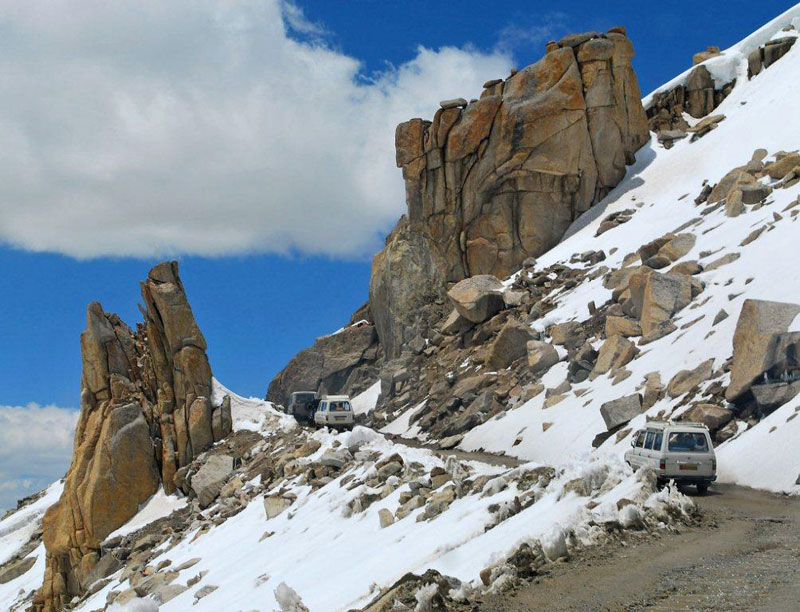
column 35, row 449
column 205, row 127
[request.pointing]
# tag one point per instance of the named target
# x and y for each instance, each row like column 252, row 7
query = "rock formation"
column 341, row 362
column 495, row 181
column 146, row 411
column 501, row 179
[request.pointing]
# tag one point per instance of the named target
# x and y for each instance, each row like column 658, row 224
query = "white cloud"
column 205, row 127
column 35, row 448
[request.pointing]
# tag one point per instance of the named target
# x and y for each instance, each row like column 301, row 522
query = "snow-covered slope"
column 661, row 188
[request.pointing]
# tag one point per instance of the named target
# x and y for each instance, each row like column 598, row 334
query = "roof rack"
column 671, row 423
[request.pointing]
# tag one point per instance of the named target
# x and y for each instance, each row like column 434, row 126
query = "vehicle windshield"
column 340, row 406
column 688, row 442
column 303, row 397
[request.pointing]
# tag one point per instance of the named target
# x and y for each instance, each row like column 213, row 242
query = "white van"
column 334, row 411
column 682, row 452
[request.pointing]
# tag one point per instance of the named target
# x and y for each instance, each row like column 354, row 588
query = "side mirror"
column 633, row 441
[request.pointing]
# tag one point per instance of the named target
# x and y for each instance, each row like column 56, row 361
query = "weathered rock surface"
column 619, row 411
column 697, row 97
column 509, row 345
column 501, row 179
column 686, row 380
column 335, row 363
column 477, row 298
column 754, row 341
column 146, row 411
column 405, row 287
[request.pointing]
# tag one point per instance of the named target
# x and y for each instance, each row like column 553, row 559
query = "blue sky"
column 251, row 140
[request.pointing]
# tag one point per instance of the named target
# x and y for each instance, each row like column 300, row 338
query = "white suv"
column 682, row 452
column 334, row 411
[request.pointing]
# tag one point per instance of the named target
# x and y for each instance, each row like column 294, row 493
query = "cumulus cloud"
column 209, row 127
column 35, row 448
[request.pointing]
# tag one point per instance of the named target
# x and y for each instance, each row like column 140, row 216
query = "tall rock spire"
column 146, row 411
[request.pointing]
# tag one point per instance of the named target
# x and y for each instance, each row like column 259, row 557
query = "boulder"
column 678, row 246
column 477, row 298
column 510, row 344
column 275, row 505
column 335, row 458
column 657, row 297
column 753, row 341
column 686, row 380
column 569, row 334
column 616, row 352
column 622, row 326
column 778, row 169
column 770, row 396
column 712, row 416
column 385, row 517
column 15, row 569
column 541, row 356
column 455, row 324
column 755, row 193
column 208, row 480
column 619, row 411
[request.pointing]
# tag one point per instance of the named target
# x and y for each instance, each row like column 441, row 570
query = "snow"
column 365, row 402
column 15, row 531
column 401, row 426
column 158, row 506
column 765, row 456
column 315, row 533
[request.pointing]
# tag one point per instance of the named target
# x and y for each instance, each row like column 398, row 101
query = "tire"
column 702, row 488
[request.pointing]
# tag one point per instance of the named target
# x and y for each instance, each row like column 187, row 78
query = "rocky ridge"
column 146, row 412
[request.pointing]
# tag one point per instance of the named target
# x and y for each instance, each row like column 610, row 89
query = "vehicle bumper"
column 684, row 479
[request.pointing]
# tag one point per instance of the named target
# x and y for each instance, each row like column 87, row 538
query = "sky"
column 252, row 140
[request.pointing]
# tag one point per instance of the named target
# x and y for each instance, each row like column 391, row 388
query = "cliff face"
column 145, row 412
column 500, row 179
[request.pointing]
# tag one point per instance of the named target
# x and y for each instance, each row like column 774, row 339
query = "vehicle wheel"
column 702, row 488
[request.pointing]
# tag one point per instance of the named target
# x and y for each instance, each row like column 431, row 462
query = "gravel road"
column 744, row 555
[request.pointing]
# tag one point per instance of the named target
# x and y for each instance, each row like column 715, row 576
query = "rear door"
column 689, row 454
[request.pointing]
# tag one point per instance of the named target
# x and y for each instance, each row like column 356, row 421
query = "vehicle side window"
column 323, row 406
column 649, row 441
column 640, row 440
column 659, row 441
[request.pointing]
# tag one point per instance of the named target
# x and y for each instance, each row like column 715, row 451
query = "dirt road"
column 744, row 556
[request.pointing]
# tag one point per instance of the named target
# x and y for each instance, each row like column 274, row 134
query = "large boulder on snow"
column 657, row 297
column 477, row 298
column 755, row 342
column 619, row 411
column 208, row 480
column 509, row 345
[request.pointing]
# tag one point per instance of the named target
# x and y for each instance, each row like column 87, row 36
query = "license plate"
column 689, row 466
column 339, row 418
